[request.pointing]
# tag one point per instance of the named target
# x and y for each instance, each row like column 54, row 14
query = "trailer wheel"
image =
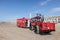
column 36, row 29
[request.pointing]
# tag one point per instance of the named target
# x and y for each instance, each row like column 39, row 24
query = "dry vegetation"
column 9, row 31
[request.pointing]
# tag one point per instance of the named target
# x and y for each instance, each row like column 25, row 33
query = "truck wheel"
column 36, row 29
column 31, row 27
column 47, row 32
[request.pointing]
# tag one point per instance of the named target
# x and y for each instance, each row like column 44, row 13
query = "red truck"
column 37, row 24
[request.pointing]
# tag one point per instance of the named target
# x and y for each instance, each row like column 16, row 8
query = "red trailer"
column 22, row 22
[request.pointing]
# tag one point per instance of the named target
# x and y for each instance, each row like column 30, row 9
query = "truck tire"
column 31, row 27
column 47, row 32
column 36, row 29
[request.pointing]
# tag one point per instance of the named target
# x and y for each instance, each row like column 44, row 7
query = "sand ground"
column 9, row 31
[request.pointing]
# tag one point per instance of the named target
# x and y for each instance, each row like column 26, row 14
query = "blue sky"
column 10, row 10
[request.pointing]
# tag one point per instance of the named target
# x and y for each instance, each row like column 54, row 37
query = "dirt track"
column 9, row 31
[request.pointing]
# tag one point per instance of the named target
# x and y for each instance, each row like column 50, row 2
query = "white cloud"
column 57, row 9
column 44, row 2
